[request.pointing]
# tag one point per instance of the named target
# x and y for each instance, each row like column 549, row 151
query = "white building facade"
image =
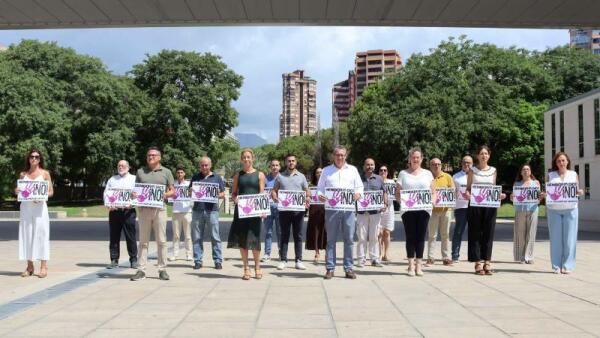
column 573, row 126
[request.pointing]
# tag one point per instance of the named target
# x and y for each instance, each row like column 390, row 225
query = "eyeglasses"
column 382, row 169
column 34, row 157
column 152, row 155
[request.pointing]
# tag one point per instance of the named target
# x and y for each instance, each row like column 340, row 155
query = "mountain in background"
column 250, row 140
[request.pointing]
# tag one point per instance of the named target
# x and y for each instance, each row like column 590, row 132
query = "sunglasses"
column 34, row 157
column 382, row 169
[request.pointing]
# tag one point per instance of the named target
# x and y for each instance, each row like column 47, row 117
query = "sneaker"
column 173, row 258
column 134, row 264
column 265, row 258
column 218, row 266
column 163, row 275
column 300, row 265
column 139, row 275
column 350, row 274
column 328, row 274
column 189, row 258
column 376, row 263
column 455, row 261
column 113, row 265
column 197, row 265
column 281, row 265
column 411, row 272
column 361, row 263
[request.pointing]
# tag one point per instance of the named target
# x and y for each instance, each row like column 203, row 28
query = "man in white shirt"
column 182, row 219
column 345, row 176
column 121, row 219
column 462, row 206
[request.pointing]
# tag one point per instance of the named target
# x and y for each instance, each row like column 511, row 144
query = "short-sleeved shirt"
column 373, row 182
column 212, row 178
column 295, row 181
column 160, row 175
column 443, row 181
column 527, row 207
column 269, row 183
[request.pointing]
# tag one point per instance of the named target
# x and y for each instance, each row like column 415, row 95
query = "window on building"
column 596, row 51
column 561, row 127
column 576, row 169
column 597, row 125
column 580, row 122
column 553, row 118
column 587, row 181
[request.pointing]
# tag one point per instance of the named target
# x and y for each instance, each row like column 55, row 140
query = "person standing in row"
column 290, row 179
column 462, row 206
column 121, row 219
column 34, row 222
column 272, row 221
column 153, row 219
column 526, row 218
column 482, row 220
column 316, row 236
column 206, row 214
column 563, row 219
column 368, row 222
column 182, row 219
column 345, row 176
column 440, row 217
column 387, row 219
column 415, row 221
column 245, row 232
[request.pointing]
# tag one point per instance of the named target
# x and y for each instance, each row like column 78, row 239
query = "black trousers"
column 290, row 220
column 122, row 220
column 415, row 229
column 482, row 223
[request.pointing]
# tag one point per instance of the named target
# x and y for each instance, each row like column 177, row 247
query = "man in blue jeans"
column 345, row 176
column 207, row 214
column 462, row 206
column 272, row 221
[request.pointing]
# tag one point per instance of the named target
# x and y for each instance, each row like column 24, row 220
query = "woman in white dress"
column 387, row 218
column 34, row 224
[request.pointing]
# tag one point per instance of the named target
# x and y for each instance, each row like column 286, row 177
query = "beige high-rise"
column 299, row 113
column 373, row 65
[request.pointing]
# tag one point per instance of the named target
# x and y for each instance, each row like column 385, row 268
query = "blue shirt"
column 269, row 184
column 374, row 182
column 212, row 178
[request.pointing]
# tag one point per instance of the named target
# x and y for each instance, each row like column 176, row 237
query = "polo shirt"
column 443, row 181
column 212, row 178
column 373, row 182
column 295, row 181
column 160, row 175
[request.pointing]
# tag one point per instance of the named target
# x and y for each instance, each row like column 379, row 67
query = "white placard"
column 290, row 200
column 445, row 198
column 462, row 189
column 149, row 195
column 526, row 195
column 206, row 192
column 268, row 192
column 390, row 188
column 314, row 196
column 371, row 200
column 118, row 198
column 486, row 195
column 182, row 193
column 255, row 205
column 32, row 190
column 416, row 199
column 340, row 199
column 561, row 193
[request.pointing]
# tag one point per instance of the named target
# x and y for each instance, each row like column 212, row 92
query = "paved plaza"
column 80, row 298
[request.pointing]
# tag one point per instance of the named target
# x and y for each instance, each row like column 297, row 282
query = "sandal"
column 43, row 273
column 27, row 273
column 316, row 260
column 487, row 269
column 246, row 275
column 258, row 274
column 479, row 269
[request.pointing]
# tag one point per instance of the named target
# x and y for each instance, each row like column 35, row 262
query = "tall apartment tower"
column 343, row 97
column 299, row 114
column 585, row 39
column 373, row 65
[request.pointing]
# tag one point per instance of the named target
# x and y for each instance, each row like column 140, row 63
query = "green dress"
column 245, row 232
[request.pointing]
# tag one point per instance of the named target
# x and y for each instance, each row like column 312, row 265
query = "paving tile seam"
column 397, row 308
column 537, row 308
column 324, row 289
column 260, row 309
column 564, row 293
column 466, row 308
column 218, row 282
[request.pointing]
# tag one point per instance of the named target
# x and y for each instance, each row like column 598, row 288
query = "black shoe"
column 329, row 274
column 163, row 275
column 138, row 276
column 197, row 265
column 113, row 264
column 134, row 264
column 218, row 266
column 350, row 274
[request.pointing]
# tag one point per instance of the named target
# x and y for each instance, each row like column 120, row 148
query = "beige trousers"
column 439, row 222
column 182, row 220
column 152, row 219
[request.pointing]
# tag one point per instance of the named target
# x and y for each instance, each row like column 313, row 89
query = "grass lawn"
column 508, row 211
column 99, row 211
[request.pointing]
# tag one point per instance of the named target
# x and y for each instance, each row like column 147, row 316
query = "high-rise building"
column 585, row 39
column 299, row 114
column 369, row 67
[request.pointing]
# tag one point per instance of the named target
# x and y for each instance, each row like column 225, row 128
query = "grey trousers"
column 524, row 235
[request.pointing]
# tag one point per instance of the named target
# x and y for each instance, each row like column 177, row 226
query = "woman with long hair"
column 34, row 223
column 316, row 235
column 245, row 232
column 526, row 218
column 387, row 219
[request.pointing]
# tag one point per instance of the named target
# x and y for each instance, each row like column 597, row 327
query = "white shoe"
column 300, row 265
column 265, row 259
column 170, row 259
column 361, row 263
column 281, row 266
column 189, row 258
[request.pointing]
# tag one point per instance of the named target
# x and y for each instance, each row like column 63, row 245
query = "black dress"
column 316, row 235
column 245, row 232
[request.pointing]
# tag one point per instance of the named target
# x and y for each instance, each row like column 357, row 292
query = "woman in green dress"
column 245, row 232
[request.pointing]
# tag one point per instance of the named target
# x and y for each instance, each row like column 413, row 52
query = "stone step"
column 15, row 214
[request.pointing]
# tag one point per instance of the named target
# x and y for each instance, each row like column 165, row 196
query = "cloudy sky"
column 262, row 54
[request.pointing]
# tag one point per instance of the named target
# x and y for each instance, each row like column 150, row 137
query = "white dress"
column 34, row 230
column 387, row 217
